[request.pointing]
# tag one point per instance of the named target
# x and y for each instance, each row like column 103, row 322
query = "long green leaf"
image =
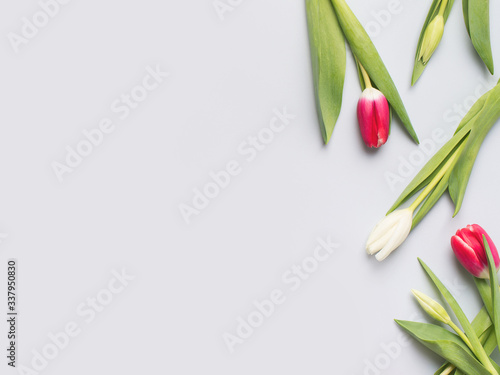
column 419, row 66
column 462, row 318
column 328, row 59
column 465, row 9
column 445, row 344
column 485, row 293
column 364, row 50
column 473, row 111
column 495, row 292
column 480, row 125
column 479, row 30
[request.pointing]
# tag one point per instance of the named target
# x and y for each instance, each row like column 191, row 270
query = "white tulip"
column 389, row 233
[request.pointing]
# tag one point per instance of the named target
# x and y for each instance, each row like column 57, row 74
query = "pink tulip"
column 469, row 248
column 373, row 117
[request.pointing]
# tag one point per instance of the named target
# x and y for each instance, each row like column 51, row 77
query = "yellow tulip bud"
column 431, row 307
column 432, row 37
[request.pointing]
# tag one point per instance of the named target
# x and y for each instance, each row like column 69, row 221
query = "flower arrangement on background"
column 466, row 350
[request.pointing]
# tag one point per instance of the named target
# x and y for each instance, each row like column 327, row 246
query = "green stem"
column 448, row 369
column 443, row 7
column 461, row 334
column 366, row 77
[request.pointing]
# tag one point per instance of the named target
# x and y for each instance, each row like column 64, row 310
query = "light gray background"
column 120, row 208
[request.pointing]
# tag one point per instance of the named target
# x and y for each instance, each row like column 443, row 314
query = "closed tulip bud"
column 468, row 247
column 373, row 117
column 431, row 307
column 432, row 37
column 389, row 233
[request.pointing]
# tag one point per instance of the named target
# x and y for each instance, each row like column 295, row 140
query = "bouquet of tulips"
column 466, row 350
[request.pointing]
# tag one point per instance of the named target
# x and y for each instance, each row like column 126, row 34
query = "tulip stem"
column 461, row 334
column 443, row 7
column 448, row 369
column 436, row 179
column 366, row 77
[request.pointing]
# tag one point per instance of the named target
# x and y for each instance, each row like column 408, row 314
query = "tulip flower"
column 389, row 233
column 468, row 247
column 373, row 117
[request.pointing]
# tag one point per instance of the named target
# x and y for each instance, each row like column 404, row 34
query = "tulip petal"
column 384, row 225
column 373, row 117
column 466, row 255
column 380, row 243
column 402, row 231
column 479, row 232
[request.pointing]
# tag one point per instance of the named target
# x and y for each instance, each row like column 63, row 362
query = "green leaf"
column 328, row 59
column 481, row 323
column 480, row 124
column 485, row 293
column 364, row 50
column 495, row 292
column 465, row 9
column 419, row 66
column 489, row 340
column 473, row 111
column 462, row 318
column 479, row 30
column 445, row 344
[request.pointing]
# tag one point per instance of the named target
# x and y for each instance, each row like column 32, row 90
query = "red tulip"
column 468, row 247
column 373, row 117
